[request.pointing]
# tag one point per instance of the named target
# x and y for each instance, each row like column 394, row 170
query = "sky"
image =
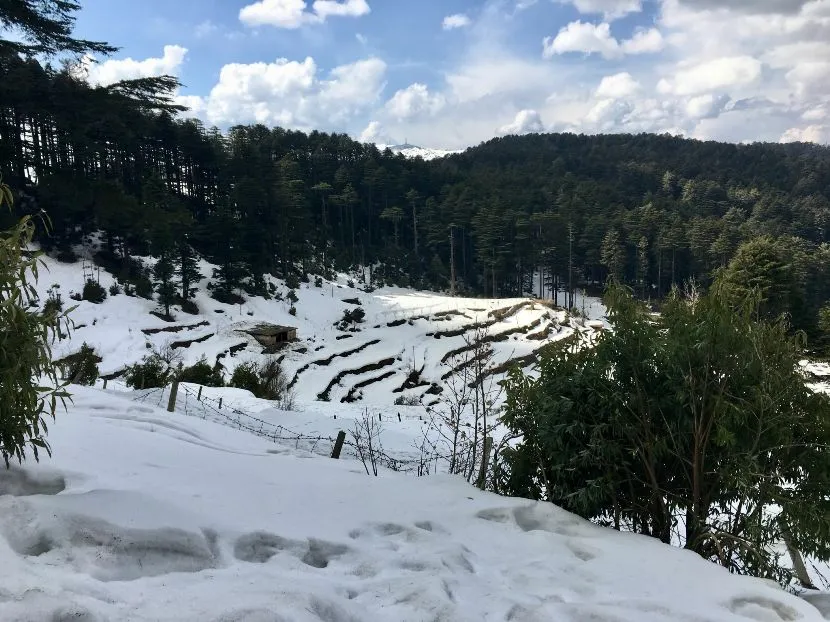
column 452, row 73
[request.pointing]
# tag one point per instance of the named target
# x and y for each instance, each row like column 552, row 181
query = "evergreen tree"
column 699, row 417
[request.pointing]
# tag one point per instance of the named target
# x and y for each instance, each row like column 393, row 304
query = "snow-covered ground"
column 144, row 515
column 413, row 151
column 403, row 330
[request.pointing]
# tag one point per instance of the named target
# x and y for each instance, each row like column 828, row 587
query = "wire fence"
column 193, row 403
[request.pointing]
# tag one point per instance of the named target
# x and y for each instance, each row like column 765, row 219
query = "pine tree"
column 187, row 269
column 613, row 255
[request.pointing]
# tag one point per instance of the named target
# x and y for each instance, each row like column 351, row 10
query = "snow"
column 400, row 324
column 413, row 151
column 144, row 515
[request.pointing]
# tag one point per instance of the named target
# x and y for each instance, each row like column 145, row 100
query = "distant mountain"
column 413, row 151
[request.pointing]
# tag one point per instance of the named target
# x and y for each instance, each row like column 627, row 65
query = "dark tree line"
column 550, row 212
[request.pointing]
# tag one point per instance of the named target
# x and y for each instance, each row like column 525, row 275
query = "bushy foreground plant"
column 202, row 373
column 694, row 427
column 30, row 387
column 266, row 381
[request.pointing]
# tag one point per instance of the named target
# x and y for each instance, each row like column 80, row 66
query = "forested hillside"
column 561, row 210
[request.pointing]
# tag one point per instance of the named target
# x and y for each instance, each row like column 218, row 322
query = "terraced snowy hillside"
column 402, row 348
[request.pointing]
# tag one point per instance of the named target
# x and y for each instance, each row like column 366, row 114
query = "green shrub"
column 246, row 376
column 94, row 292
column 54, row 302
column 153, row 372
column 318, row 281
column 188, row 306
column 143, row 287
column 292, row 281
column 30, row 389
column 266, row 381
column 115, row 289
column 82, row 367
column 202, row 373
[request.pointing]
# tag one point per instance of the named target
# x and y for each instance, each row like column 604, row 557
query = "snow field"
column 144, row 515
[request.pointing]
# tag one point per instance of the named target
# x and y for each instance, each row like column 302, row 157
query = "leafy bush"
column 30, row 389
column 227, row 296
column 697, row 417
column 94, row 292
column 153, row 372
column 292, row 310
column 115, row 289
column 266, row 381
column 318, row 281
column 292, row 281
column 292, row 296
column 246, row 376
column 188, row 306
column 54, row 302
column 82, row 367
column 202, row 373
column 407, row 400
column 143, row 287
column 350, row 283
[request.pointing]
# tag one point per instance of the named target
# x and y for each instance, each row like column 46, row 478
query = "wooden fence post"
column 199, row 397
column 485, row 460
column 338, row 445
column 220, row 403
column 105, row 383
column 174, row 390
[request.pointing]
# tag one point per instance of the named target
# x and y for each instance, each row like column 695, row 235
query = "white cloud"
column 459, row 20
column 706, row 106
column 810, row 134
column 293, row 94
column 361, row 38
column 525, row 122
column 644, row 42
column 610, row 9
column 295, row 13
column 413, row 101
column 617, row 86
column 582, row 37
column 588, row 38
column 112, row 70
column 336, row 8
column 713, row 75
column 373, row 133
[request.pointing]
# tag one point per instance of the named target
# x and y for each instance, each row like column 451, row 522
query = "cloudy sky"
column 452, row 73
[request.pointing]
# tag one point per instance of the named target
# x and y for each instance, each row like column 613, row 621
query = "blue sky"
column 451, row 73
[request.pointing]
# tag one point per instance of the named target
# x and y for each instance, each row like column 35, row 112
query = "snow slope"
column 144, row 515
column 413, row 151
column 404, row 330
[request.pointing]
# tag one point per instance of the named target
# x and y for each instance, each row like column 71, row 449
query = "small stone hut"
column 273, row 336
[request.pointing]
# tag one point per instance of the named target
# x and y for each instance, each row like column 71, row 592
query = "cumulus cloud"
column 374, row 133
column 720, row 73
column 810, row 134
column 587, row 38
column 619, row 85
column 413, row 101
column 525, row 122
column 295, row 13
column 706, row 106
column 114, row 70
column 610, row 9
column 292, row 93
column 459, row 20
